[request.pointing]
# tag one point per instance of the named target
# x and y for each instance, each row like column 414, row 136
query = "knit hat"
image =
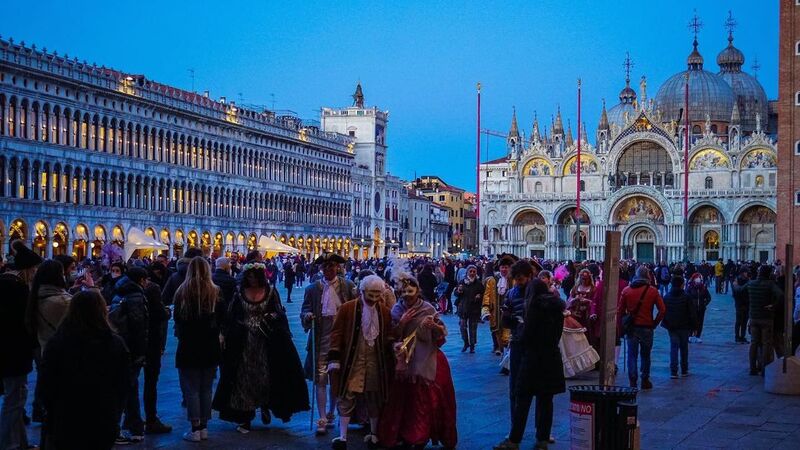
column 24, row 258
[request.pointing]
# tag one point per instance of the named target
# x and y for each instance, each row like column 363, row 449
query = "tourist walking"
column 84, row 378
column 198, row 303
column 321, row 302
column 469, row 302
column 361, row 354
column 765, row 297
column 679, row 320
column 128, row 314
column 289, row 279
column 741, row 301
column 699, row 295
column 639, row 300
column 17, row 344
column 541, row 372
column 422, row 403
column 261, row 369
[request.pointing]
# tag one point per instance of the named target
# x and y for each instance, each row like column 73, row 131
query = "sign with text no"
column 581, row 425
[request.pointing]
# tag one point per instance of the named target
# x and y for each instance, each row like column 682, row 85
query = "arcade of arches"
column 82, row 240
column 646, row 234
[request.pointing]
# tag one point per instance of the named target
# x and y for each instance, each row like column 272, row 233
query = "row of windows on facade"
column 62, row 126
column 150, row 113
column 51, row 183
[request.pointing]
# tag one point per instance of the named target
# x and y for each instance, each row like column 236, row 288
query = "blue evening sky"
column 418, row 59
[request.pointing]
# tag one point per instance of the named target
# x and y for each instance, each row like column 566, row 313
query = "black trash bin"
column 602, row 417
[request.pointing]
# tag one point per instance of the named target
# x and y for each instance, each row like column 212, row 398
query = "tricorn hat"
column 328, row 257
column 24, row 257
column 506, row 259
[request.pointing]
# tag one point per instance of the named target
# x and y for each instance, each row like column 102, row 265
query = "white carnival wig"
column 399, row 269
column 371, row 283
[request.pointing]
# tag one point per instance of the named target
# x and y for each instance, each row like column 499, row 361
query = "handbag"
column 627, row 319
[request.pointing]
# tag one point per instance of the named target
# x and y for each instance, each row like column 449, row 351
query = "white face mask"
column 372, row 297
column 410, row 292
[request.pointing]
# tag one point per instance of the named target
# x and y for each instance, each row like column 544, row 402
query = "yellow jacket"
column 719, row 269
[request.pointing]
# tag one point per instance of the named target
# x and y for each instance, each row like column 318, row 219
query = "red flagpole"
column 478, row 166
column 578, row 187
column 686, row 154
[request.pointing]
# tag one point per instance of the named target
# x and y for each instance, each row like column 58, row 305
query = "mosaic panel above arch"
column 706, row 215
column 567, row 217
column 709, row 159
column 529, row 217
column 589, row 165
column 759, row 158
column 638, row 208
column 537, row 167
column 757, row 214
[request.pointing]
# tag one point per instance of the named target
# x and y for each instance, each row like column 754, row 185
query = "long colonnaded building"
column 88, row 152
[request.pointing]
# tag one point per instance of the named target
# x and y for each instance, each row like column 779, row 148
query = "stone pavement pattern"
column 718, row 406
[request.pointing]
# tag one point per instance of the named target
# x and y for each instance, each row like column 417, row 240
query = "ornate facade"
column 632, row 176
column 88, row 152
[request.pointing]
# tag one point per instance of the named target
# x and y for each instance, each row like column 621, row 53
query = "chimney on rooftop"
column 206, row 94
column 222, row 100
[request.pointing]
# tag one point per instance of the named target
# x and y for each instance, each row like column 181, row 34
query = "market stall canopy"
column 268, row 245
column 138, row 240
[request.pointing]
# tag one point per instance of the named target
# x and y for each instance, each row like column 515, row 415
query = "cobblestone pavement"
column 718, row 406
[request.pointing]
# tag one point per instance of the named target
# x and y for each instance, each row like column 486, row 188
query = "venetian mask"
column 409, row 291
column 372, row 296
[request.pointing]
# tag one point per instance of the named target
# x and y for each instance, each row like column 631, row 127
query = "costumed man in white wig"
column 361, row 352
column 321, row 302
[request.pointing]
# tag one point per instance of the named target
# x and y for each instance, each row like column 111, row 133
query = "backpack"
column 665, row 276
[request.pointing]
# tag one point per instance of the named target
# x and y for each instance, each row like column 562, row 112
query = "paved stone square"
column 718, row 406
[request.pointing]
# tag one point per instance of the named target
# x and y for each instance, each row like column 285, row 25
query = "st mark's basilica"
column 632, row 176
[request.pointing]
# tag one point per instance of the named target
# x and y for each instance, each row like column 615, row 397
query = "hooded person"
column 421, row 405
column 321, row 302
column 361, row 353
column 698, row 293
column 260, row 365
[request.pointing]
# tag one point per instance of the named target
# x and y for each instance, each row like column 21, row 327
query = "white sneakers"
column 192, row 436
column 196, row 436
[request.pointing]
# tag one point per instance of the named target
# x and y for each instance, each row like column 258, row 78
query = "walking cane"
column 313, row 373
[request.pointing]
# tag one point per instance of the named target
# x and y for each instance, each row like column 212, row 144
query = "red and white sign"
column 581, row 425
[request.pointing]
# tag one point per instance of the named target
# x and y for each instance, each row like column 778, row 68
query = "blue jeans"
column 12, row 423
column 640, row 340
column 196, row 388
column 515, row 360
column 679, row 341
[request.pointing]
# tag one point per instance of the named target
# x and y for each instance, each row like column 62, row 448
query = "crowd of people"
column 93, row 329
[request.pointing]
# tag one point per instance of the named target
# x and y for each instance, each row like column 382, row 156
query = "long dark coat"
column 542, row 370
column 288, row 393
column 83, row 381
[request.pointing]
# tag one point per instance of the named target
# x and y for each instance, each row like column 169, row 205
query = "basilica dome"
column 626, row 105
column 748, row 93
column 709, row 94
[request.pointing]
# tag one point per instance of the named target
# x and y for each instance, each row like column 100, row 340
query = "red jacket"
column 630, row 298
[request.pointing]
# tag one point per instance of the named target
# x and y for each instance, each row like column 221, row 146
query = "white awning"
column 138, row 240
column 268, row 245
